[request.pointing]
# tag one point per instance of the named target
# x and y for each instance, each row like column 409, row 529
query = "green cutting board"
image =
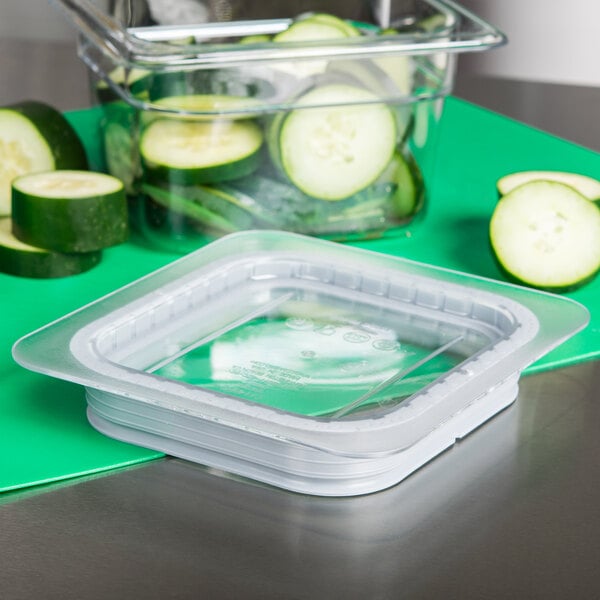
column 44, row 433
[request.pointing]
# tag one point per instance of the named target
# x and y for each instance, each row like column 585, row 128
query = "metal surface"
column 510, row 512
column 568, row 111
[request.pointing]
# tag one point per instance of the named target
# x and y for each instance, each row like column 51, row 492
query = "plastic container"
column 299, row 362
column 272, row 117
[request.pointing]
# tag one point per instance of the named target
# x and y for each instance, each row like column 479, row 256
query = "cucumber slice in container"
column 311, row 28
column 35, row 137
column 330, row 20
column 586, row 186
column 23, row 260
column 545, row 234
column 179, row 200
column 317, row 26
column 338, row 146
column 368, row 74
column 196, row 152
column 408, row 188
column 69, row 211
column 231, row 107
column 259, row 38
column 119, row 127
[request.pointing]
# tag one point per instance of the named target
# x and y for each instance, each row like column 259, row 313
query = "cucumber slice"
column 547, row 235
column 35, row 137
column 315, row 28
column 69, row 211
column 408, row 189
column 119, row 77
column 23, row 260
column 231, row 107
column 369, row 74
column 283, row 206
column 178, row 200
column 332, row 152
column 399, row 68
column 196, row 152
column 259, row 38
column 312, row 28
column 586, row 186
column 331, row 21
column 241, row 84
column 120, row 159
column 121, row 155
column 276, row 201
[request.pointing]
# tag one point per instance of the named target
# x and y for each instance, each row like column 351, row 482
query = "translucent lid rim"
column 558, row 318
column 135, row 48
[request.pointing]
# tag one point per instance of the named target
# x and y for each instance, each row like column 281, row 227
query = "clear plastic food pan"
column 299, row 362
column 313, row 117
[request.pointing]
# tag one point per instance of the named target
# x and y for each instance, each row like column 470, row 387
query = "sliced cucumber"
column 222, row 206
column 399, row 68
column 281, row 205
column 369, row 74
column 286, row 207
column 241, row 84
column 196, row 152
column 334, row 151
column 312, row 28
column 587, row 186
column 408, row 191
column 23, row 260
column 331, row 21
column 69, row 211
column 316, row 27
column 259, row 38
column 119, row 77
column 231, row 107
column 120, row 158
column 177, row 200
column 119, row 128
column 35, row 137
column 547, row 235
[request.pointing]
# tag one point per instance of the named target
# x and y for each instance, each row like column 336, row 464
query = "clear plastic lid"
column 328, row 346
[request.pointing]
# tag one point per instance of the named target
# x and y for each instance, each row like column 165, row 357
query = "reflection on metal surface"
column 519, row 496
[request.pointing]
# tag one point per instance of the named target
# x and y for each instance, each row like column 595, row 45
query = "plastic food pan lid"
column 303, row 340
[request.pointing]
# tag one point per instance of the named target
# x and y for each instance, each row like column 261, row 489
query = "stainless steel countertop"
column 511, row 511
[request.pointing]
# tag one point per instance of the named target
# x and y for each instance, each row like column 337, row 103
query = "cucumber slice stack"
column 24, row 260
column 35, row 137
column 55, row 215
column 61, row 221
column 546, row 234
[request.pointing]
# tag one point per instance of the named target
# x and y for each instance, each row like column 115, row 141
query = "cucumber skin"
column 409, row 196
column 562, row 289
column 86, row 225
column 163, row 175
column 578, row 181
column 62, row 139
column 210, row 82
column 45, row 265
